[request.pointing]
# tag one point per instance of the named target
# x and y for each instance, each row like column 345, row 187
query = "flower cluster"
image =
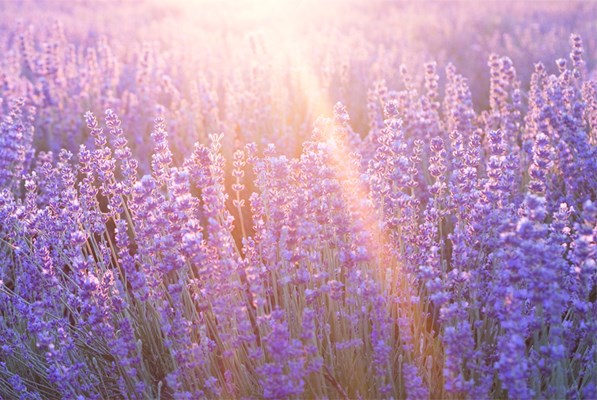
column 406, row 241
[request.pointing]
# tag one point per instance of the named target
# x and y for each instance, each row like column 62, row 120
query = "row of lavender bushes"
column 446, row 253
column 256, row 79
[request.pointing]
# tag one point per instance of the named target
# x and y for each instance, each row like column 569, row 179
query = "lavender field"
column 278, row 199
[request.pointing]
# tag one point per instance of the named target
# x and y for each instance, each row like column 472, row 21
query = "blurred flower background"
column 298, row 199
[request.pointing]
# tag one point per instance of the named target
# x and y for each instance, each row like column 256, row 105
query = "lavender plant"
column 326, row 222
